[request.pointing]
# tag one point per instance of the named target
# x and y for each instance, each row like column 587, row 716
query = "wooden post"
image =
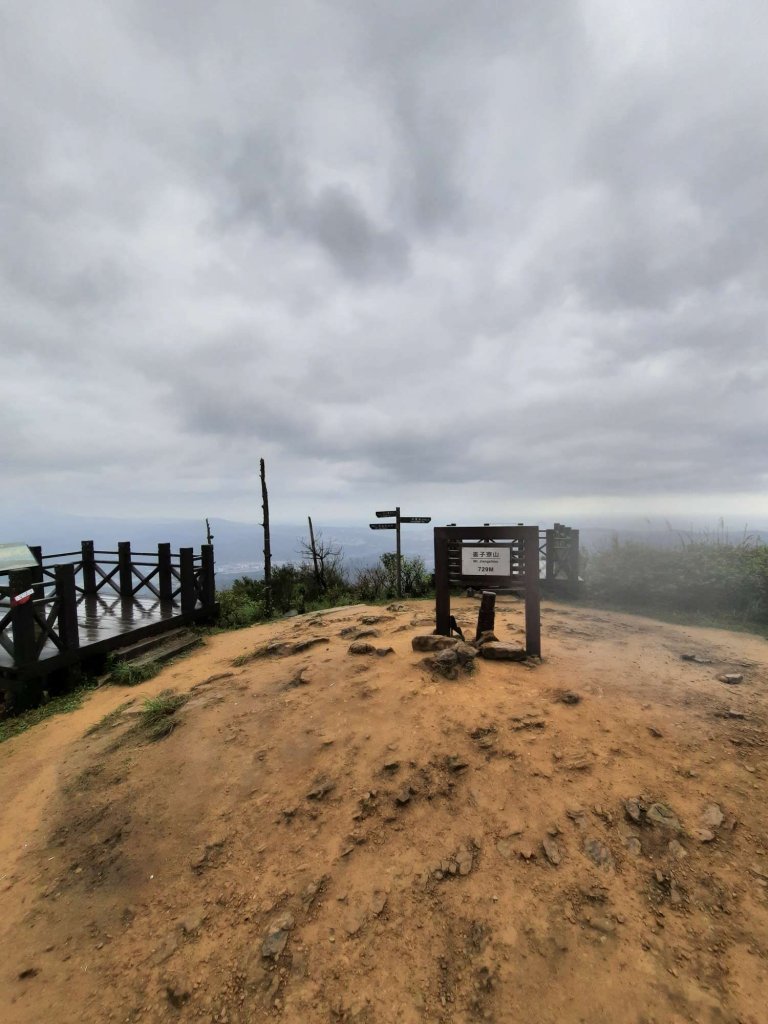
column 267, row 548
column 124, row 572
column 209, row 576
column 66, row 596
column 89, row 567
column 486, row 616
column 532, row 600
column 164, row 575
column 23, row 618
column 442, row 584
column 38, row 576
column 397, row 548
column 574, row 560
column 208, row 534
column 187, row 573
column 549, row 555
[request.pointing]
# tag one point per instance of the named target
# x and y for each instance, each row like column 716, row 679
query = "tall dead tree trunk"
column 267, row 549
column 208, row 534
column 315, row 561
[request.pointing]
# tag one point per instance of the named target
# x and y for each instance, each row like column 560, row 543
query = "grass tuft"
column 158, row 714
column 125, row 673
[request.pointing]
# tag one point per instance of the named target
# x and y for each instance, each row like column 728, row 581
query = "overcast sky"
column 503, row 259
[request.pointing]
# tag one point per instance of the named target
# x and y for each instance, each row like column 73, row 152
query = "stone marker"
column 486, row 615
column 497, row 651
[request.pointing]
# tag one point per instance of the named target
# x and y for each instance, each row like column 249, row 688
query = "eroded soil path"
column 329, row 837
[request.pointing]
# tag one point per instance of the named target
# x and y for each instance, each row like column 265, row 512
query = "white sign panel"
column 485, row 561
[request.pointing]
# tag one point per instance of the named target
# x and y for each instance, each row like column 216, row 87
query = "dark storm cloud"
column 516, row 250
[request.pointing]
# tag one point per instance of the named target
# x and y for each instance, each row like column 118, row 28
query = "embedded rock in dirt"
column 465, row 652
column 712, row 817
column 276, row 937
column 598, row 853
column 732, row 678
column 552, row 851
column 360, row 647
column 663, row 816
column 433, row 642
column 497, row 651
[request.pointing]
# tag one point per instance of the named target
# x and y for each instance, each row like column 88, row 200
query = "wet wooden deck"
column 105, row 625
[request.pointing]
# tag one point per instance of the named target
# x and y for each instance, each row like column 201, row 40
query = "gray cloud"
column 473, row 255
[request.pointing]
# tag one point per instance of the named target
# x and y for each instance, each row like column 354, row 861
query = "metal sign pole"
column 397, row 548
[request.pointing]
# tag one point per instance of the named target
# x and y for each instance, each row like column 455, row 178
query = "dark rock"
column 391, row 767
column 360, row 647
column 569, row 697
column 276, row 936
column 656, row 733
column 598, row 853
column 321, row 787
column 731, row 678
column 382, row 652
column 28, row 972
column 404, row 796
column 495, row 651
column 663, row 816
column 179, row 992
column 433, row 642
column 455, row 763
column 465, row 652
column 696, row 659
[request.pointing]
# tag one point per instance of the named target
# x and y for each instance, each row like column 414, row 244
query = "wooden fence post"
column 89, row 567
column 531, row 581
column 124, row 572
column 66, row 595
column 549, row 555
column 164, row 575
column 23, row 619
column 187, row 573
column 209, row 575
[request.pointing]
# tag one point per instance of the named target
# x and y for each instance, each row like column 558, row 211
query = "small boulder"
column 732, row 678
column 433, row 642
column 663, row 816
column 276, row 937
column 465, row 652
column 494, row 650
column 361, row 647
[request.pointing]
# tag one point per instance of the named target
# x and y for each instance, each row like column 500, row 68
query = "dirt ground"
column 331, row 837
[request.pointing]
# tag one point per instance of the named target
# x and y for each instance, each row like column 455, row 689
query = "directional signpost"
column 395, row 514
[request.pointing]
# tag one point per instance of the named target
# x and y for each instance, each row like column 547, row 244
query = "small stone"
column 657, row 733
column 704, row 835
column 391, row 767
column 552, row 851
column 276, row 936
column 731, row 678
column 569, row 697
column 456, row 763
column 526, row 851
column 600, row 924
column 464, row 860
column 663, row 816
column 378, row 903
column 696, row 659
column 633, row 809
column 713, row 817
column 403, row 797
column 321, row 788
column 598, row 853
column 361, row 647
column 465, row 652
column 677, row 850
column 634, row 846
column 178, row 991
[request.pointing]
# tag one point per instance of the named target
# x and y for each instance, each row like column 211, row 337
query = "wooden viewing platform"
column 85, row 603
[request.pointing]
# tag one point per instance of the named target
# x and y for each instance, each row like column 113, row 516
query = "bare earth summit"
column 331, row 837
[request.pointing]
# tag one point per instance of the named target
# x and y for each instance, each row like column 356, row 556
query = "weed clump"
column 125, row 673
column 158, row 714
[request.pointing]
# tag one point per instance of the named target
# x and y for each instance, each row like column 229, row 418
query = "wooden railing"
column 47, row 623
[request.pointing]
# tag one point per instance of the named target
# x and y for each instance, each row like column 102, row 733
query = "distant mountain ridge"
column 239, row 546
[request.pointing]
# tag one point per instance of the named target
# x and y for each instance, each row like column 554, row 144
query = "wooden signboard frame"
column 526, row 579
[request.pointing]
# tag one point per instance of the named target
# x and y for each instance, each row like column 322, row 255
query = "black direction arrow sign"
column 415, row 519
column 383, row 526
column 386, row 515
